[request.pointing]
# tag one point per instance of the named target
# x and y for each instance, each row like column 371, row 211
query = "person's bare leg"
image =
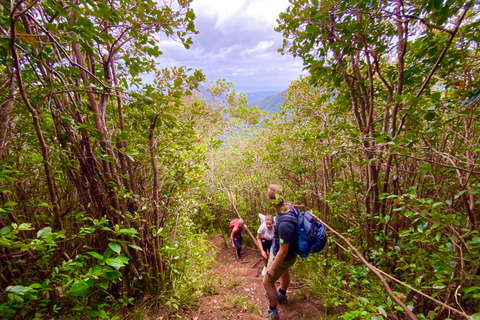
column 285, row 280
column 271, row 292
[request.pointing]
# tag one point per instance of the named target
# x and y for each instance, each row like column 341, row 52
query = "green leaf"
column 96, row 255
column 45, row 231
column 168, row 117
column 429, row 116
column 408, row 213
column 382, row 311
column 18, row 289
column 115, row 247
column 5, row 230
column 458, row 195
column 25, row 226
column 436, row 204
column 87, row 48
column 81, row 288
column 117, row 263
column 422, row 225
column 45, row 205
column 112, row 274
column 108, row 253
column 426, row 167
column 10, row 204
column 414, row 101
column 436, row 96
column 130, row 231
column 135, row 247
column 474, row 240
column 472, row 98
column 471, row 289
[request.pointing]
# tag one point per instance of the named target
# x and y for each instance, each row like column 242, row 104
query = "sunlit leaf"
column 115, row 247
column 117, row 263
column 96, row 255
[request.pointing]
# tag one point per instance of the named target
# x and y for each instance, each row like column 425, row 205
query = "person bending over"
column 264, row 239
column 236, row 235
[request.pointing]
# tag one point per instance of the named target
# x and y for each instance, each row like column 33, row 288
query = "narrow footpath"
column 238, row 292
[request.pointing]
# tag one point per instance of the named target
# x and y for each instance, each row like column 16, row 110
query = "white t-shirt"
column 265, row 233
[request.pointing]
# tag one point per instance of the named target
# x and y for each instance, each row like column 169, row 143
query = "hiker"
column 237, row 226
column 282, row 255
column 264, row 239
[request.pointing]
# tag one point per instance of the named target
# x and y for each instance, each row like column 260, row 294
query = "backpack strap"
column 289, row 216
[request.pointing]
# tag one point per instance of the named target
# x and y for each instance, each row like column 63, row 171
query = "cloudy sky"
column 237, row 42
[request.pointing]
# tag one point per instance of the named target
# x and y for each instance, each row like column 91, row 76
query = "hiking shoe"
column 282, row 298
column 238, row 254
column 272, row 314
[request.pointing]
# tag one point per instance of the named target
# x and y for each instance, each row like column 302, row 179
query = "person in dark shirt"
column 282, row 255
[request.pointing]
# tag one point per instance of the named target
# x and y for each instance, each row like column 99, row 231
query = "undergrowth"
column 187, row 259
column 347, row 291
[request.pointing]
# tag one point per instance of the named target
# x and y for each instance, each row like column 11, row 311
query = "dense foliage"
column 96, row 167
column 107, row 183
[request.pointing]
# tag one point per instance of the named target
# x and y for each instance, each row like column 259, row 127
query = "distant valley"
column 270, row 101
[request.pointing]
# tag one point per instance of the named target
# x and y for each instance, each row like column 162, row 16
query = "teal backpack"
column 310, row 234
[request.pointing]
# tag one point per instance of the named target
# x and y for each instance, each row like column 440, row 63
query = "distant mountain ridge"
column 254, row 97
column 264, row 100
column 271, row 103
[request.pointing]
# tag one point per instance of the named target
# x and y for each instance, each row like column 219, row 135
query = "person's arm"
column 285, row 234
column 231, row 235
column 259, row 240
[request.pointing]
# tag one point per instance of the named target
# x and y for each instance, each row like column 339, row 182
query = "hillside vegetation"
column 270, row 103
column 110, row 187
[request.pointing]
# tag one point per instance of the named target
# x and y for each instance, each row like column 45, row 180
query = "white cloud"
column 259, row 48
column 236, row 41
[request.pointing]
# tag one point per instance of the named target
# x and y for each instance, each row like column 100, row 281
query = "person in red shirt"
column 236, row 235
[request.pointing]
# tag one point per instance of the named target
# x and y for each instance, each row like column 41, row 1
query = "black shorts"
column 266, row 244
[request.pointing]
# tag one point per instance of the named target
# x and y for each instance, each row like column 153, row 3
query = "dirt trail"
column 240, row 293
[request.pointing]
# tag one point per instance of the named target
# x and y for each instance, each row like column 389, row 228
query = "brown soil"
column 239, row 293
